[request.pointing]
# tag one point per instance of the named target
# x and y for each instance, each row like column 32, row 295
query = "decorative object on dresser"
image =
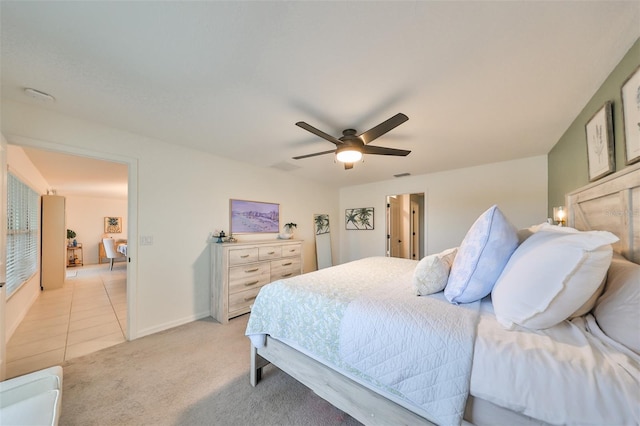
column 288, row 231
column 631, row 116
column 239, row 270
column 600, row 147
column 248, row 217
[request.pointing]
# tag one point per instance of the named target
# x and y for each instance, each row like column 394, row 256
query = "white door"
column 3, row 254
column 394, row 233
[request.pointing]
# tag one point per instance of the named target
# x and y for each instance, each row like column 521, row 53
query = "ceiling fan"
column 350, row 147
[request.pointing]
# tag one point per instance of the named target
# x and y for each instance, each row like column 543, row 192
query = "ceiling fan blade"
column 317, row 132
column 348, row 166
column 313, row 155
column 383, row 128
column 379, row 150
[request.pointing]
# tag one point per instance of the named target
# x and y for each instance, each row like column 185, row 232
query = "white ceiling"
column 480, row 81
column 80, row 176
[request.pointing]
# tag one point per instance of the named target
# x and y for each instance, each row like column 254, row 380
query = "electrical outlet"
column 146, row 240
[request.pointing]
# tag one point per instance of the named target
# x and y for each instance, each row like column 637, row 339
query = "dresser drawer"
column 267, row 253
column 241, row 302
column 240, row 256
column 285, row 268
column 247, row 276
column 240, row 269
column 291, row 250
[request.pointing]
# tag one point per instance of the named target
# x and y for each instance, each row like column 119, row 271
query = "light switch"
column 146, row 240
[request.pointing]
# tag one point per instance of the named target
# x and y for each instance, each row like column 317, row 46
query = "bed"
column 359, row 336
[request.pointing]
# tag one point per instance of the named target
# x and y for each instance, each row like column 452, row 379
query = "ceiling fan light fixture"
column 348, row 155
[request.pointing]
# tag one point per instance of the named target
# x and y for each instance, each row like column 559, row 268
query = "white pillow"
column 617, row 311
column 550, row 276
column 432, row 272
column 481, row 257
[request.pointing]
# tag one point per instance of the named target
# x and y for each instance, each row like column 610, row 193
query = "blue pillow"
column 482, row 256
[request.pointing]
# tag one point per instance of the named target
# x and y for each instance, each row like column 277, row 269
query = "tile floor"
column 87, row 314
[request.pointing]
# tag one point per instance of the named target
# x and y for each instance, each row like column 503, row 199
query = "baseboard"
column 172, row 324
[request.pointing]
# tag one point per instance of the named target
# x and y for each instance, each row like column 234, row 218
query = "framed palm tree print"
column 359, row 219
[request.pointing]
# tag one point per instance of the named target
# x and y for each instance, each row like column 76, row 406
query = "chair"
column 110, row 250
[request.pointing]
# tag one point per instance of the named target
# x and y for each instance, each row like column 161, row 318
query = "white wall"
column 21, row 300
column 453, row 201
column 85, row 215
column 182, row 195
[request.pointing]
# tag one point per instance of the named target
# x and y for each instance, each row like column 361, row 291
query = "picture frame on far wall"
column 360, row 219
column 630, row 95
column 600, row 147
column 112, row 225
column 251, row 217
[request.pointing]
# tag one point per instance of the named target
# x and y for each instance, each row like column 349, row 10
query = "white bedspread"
column 364, row 318
column 421, row 347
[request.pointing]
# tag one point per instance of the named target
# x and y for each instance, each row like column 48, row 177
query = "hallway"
column 88, row 314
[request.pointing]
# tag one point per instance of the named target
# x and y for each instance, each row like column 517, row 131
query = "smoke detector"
column 38, row 95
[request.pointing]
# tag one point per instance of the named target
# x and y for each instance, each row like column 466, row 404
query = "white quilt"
column 364, row 318
column 421, row 347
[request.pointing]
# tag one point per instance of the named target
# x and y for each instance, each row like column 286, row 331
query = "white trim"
column 175, row 323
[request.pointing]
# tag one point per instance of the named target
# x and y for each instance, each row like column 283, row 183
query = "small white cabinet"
column 239, row 270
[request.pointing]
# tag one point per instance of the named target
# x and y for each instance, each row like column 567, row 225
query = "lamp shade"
column 560, row 215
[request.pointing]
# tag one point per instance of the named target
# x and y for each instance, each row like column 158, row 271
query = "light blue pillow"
column 482, row 256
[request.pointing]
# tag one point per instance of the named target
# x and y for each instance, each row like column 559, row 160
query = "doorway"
column 129, row 211
column 404, row 219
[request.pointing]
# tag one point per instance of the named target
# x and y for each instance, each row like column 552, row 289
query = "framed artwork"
column 112, row 225
column 322, row 223
column 359, row 219
column 249, row 217
column 600, row 148
column 630, row 95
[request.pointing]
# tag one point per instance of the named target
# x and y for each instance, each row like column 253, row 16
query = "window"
column 23, row 204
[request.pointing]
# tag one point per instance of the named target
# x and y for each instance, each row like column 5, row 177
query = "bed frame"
column 611, row 204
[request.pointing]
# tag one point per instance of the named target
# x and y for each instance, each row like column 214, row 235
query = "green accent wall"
column 567, row 160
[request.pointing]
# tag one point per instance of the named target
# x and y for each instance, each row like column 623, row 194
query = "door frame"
column 3, row 255
column 132, row 212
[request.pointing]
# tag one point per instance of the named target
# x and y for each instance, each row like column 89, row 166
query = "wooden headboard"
column 610, row 204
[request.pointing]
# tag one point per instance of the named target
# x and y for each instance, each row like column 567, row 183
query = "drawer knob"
column 287, row 264
column 251, row 270
column 246, row 299
column 244, row 256
column 287, row 275
column 251, row 283
column 272, row 252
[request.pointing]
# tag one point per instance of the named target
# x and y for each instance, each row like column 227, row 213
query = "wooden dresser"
column 239, row 270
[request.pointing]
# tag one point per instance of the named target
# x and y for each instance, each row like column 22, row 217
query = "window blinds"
column 22, row 232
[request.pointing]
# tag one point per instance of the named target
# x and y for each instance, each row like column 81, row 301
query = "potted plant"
column 71, row 234
column 288, row 231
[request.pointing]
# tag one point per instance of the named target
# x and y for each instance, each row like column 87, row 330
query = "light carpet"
column 195, row 374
